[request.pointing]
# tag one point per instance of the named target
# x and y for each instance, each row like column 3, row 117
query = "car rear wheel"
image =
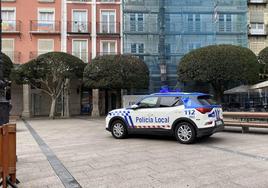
column 118, row 129
column 185, row 133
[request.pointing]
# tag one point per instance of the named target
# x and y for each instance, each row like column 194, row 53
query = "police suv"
column 184, row 115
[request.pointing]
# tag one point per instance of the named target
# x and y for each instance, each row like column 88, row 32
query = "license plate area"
column 218, row 122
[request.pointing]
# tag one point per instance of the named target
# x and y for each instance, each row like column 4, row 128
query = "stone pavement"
column 82, row 148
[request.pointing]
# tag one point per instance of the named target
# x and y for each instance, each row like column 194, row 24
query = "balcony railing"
column 108, row 28
column 107, row 53
column 141, row 27
column 8, row 0
column 76, row 27
column 43, row 26
column 257, row 1
column 81, row 1
column 11, row 26
column 260, row 29
column 84, row 56
column 14, row 56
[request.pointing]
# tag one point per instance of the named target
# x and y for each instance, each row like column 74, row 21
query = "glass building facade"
column 161, row 31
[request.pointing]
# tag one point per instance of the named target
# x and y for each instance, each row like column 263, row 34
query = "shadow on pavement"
column 203, row 140
column 152, row 137
column 210, row 140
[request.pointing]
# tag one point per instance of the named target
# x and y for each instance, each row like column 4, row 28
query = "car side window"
column 149, row 102
column 170, row 101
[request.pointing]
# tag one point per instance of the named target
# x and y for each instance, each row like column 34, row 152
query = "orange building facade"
column 84, row 28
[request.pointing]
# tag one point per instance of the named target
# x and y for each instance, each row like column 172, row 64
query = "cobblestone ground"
column 83, row 149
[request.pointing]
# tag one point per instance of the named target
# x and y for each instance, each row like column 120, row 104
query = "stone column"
column 95, row 101
column 26, row 112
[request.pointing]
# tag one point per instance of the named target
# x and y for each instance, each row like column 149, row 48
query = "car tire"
column 118, row 129
column 185, row 133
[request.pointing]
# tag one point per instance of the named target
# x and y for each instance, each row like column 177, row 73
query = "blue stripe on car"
column 131, row 121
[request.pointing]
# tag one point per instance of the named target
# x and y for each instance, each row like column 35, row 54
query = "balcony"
column 79, row 1
column 76, row 27
column 107, row 53
column 257, row 1
column 108, row 28
column 14, row 56
column 45, row 27
column 137, row 28
column 46, row 1
column 84, row 56
column 8, row 1
column 257, row 29
column 12, row 26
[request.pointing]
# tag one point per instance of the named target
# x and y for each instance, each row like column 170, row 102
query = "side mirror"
column 134, row 106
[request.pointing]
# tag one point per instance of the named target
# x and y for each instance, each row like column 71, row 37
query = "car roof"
column 178, row 94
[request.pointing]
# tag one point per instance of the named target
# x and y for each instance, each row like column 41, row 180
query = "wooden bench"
column 8, row 154
column 246, row 120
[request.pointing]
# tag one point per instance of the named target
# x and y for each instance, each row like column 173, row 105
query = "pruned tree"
column 7, row 66
column 116, row 72
column 220, row 66
column 263, row 59
column 51, row 73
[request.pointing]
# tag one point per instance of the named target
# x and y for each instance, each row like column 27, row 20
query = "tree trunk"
column 52, row 108
column 67, row 98
column 118, row 98
column 218, row 92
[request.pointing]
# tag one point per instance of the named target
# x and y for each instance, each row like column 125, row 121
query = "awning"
column 238, row 89
column 261, row 85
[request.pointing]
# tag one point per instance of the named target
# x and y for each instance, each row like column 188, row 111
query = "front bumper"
column 210, row 130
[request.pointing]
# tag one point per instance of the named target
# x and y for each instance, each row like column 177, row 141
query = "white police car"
column 184, row 115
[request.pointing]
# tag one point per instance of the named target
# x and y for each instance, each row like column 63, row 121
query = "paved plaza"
column 80, row 153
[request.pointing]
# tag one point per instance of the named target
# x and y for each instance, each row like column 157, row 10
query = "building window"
column 80, row 21
column 136, row 22
column 194, row 23
column 135, row 2
column 108, row 24
column 46, row 20
column 45, row 45
column 257, row 28
column 9, row 20
column 80, row 49
column 138, row 48
column 108, row 47
column 8, row 48
column 107, row 1
column 225, row 23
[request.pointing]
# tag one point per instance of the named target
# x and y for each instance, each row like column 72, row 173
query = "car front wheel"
column 118, row 129
column 185, row 133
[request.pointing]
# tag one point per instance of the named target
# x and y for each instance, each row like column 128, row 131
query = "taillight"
column 203, row 110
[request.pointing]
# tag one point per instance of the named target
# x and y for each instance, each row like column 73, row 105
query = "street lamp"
column 4, row 103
